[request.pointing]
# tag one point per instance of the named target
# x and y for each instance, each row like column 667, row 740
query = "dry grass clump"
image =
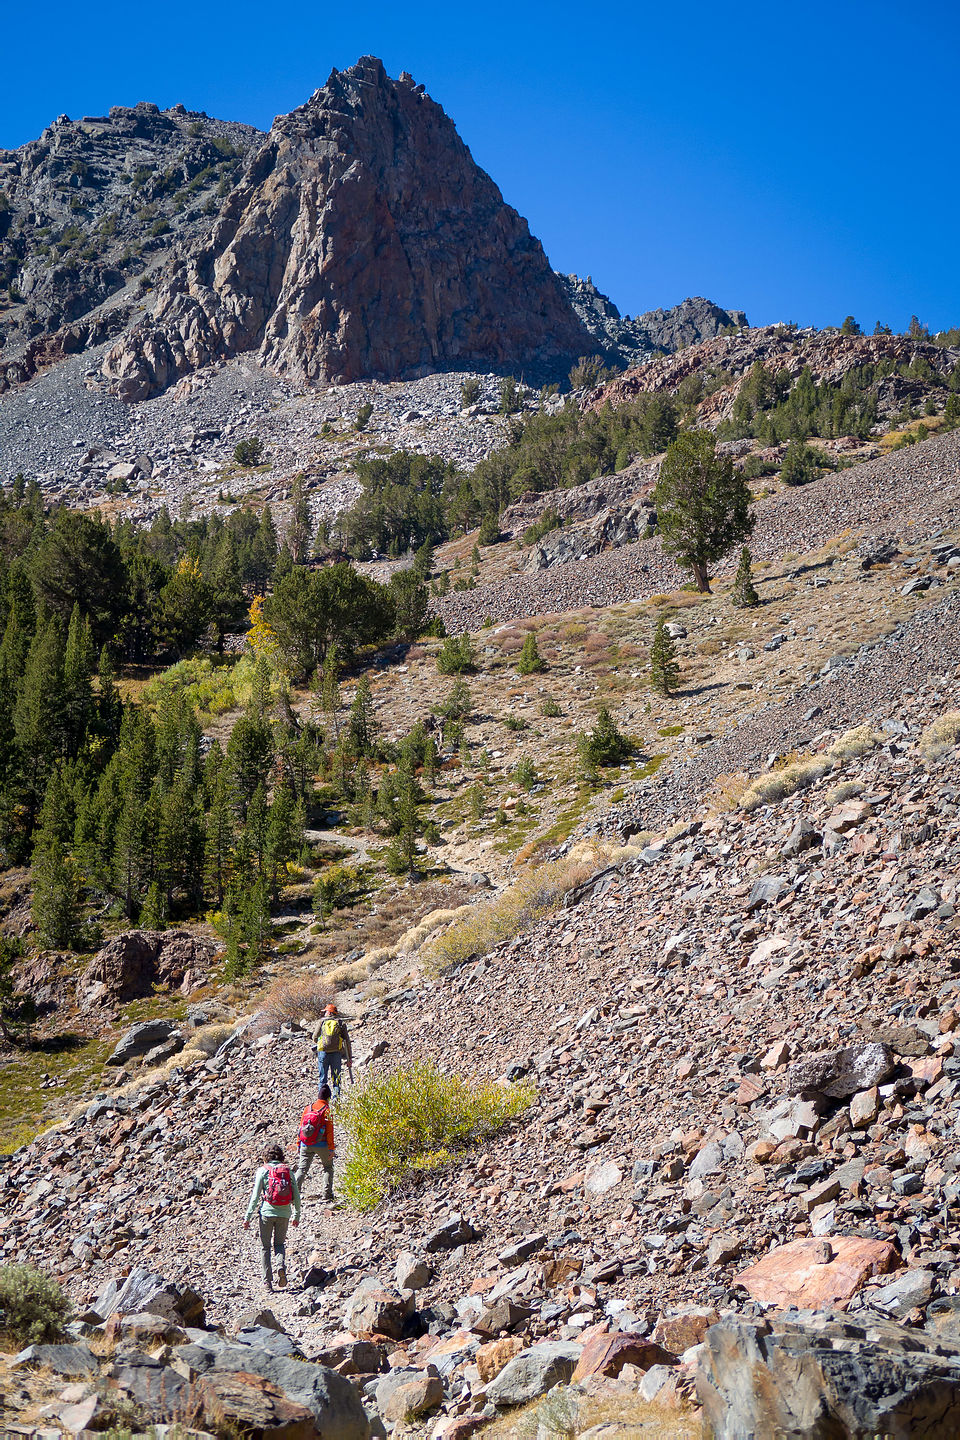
column 858, row 741
column 942, row 735
column 343, row 977
column 778, row 784
column 803, row 770
column 508, row 914
column 303, row 998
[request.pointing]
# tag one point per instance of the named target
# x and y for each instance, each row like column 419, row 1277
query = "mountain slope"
column 364, row 241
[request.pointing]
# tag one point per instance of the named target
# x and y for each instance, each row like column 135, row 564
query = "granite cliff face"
column 363, row 242
column 91, row 211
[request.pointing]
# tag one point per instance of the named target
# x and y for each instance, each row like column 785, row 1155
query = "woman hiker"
column 277, row 1194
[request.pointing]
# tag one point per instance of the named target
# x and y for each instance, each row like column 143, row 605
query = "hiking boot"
column 281, row 1278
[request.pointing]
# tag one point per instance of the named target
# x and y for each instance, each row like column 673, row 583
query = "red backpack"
column 313, row 1126
column 279, row 1185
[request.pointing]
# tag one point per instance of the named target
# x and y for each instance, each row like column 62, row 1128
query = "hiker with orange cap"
column 333, row 1047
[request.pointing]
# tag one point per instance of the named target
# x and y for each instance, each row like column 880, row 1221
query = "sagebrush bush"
column 415, row 1119
column 804, row 771
column 33, row 1308
column 858, row 741
column 493, row 921
column 942, row 735
column 304, row 998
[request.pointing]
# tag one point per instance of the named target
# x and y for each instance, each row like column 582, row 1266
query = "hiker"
column 333, row 1047
column 315, row 1139
column 280, row 1194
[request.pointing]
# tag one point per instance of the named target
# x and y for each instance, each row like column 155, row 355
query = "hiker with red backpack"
column 315, row 1139
column 333, row 1047
column 277, row 1194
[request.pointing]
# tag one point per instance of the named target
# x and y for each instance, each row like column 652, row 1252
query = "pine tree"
column 330, row 686
column 401, row 854
column 284, row 834
column 77, row 681
column 530, row 662
column 228, row 604
column 256, row 827
column 744, row 592
column 702, row 503
column 109, row 704
column 56, row 907
column 220, row 828
column 264, row 552
column 362, row 724
column 299, row 532
column 664, row 670
column 38, row 719
column 153, row 913
column 179, row 845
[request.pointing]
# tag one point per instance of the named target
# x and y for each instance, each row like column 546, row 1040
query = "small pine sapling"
column 744, row 593
column 664, row 670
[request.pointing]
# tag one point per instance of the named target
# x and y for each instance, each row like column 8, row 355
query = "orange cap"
column 331, row 1010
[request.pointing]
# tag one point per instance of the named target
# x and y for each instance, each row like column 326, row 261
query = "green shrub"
column 550, row 708
column 604, row 745
column 525, row 774
column 531, row 662
column 334, row 888
column 363, row 417
column 415, row 1119
column 33, row 1308
column 455, row 656
column 548, row 521
column 249, row 452
column 494, row 921
column 470, row 391
column 489, row 529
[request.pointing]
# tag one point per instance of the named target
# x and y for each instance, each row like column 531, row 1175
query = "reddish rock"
column 794, row 1274
column 249, row 1405
column 607, row 1355
column 493, row 1357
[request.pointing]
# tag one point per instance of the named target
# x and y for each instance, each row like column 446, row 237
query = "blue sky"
column 795, row 161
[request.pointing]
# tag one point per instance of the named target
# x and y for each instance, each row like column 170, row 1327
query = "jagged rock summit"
column 363, row 242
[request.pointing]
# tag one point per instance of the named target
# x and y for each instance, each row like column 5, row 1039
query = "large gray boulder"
column 140, row 1039
column 838, row 1074
column 533, row 1372
column 145, row 1292
column 828, row 1378
column 334, row 1403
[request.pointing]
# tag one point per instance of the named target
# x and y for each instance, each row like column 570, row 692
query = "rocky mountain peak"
column 364, row 241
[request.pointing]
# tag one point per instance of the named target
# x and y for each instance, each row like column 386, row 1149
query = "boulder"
column 838, row 1074
column 799, row 1274
column 787, row 1377
column 452, row 1233
column 405, row 1394
column 61, row 1359
column 140, row 1040
column 492, row 1358
column 682, row 1331
column 412, row 1273
column 374, row 1310
column 607, row 1355
column 251, row 1406
column 131, row 965
column 145, row 1291
column 335, row 1405
column 533, row 1372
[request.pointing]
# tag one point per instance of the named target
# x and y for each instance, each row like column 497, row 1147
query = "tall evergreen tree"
column 220, row 828
column 362, row 725
column 300, row 529
column 77, row 681
column 38, row 719
column 55, row 907
column 228, row 605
